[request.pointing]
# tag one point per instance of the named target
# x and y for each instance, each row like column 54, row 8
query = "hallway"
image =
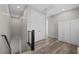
column 25, row 26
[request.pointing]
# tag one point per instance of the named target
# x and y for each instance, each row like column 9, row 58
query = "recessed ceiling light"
column 63, row 9
column 18, row 6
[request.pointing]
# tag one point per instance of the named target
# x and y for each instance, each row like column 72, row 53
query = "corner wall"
column 36, row 21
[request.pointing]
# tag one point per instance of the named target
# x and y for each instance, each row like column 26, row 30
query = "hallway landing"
column 53, row 46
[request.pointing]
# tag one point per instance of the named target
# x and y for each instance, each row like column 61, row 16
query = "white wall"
column 4, row 28
column 65, row 15
column 25, row 34
column 52, row 28
column 16, row 30
column 36, row 21
column 19, row 25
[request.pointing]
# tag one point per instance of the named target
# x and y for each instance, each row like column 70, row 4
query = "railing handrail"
column 31, row 44
column 5, row 37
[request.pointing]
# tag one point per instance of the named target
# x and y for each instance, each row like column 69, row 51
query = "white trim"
column 46, row 26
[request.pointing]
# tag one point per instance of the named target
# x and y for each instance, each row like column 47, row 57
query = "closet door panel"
column 64, row 31
column 75, row 32
column 61, row 31
column 67, row 31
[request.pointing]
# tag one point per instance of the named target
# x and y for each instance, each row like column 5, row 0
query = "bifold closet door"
column 64, row 31
column 61, row 31
column 68, row 31
column 75, row 32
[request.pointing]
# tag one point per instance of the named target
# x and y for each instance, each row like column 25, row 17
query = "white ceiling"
column 51, row 9
column 4, row 9
column 16, row 12
column 40, row 7
column 57, row 8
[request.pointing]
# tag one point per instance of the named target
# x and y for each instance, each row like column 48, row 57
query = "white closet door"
column 67, row 31
column 75, row 32
column 61, row 31
column 64, row 31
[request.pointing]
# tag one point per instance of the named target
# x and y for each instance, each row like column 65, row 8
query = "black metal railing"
column 5, row 37
column 31, row 39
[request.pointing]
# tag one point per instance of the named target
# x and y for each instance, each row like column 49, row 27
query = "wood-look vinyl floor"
column 53, row 46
